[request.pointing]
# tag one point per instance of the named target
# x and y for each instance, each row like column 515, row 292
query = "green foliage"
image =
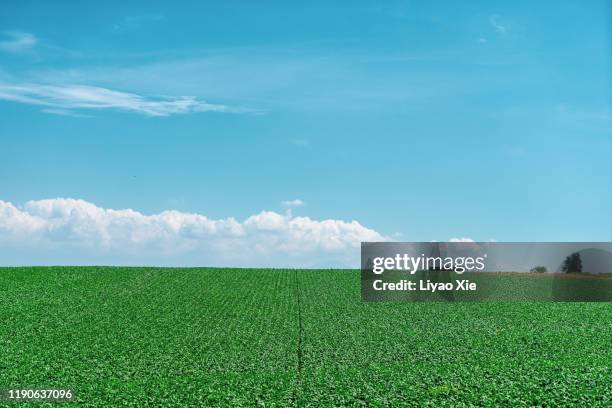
column 572, row 264
column 538, row 269
column 229, row 337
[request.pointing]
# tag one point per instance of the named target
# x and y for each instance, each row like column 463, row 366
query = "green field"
column 229, row 337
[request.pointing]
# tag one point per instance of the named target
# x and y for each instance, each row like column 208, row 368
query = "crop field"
column 254, row 337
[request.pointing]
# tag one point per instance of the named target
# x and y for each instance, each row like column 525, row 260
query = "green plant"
column 248, row 337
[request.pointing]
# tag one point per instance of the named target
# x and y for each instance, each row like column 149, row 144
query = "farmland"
column 248, row 337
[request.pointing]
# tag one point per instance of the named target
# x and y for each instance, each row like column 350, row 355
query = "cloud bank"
column 69, row 231
column 68, row 97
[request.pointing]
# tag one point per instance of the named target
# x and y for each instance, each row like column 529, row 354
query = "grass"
column 223, row 337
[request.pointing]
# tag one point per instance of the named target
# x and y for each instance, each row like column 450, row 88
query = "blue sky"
column 420, row 121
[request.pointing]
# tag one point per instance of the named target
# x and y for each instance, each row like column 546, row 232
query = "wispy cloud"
column 272, row 78
column 500, row 27
column 292, row 203
column 64, row 112
column 16, row 41
column 71, row 97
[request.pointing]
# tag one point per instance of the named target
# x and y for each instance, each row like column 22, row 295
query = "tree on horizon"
column 572, row 263
column 539, row 269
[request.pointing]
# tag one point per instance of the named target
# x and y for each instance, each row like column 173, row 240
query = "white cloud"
column 69, row 231
column 92, row 97
column 292, row 203
column 498, row 26
column 17, row 41
column 461, row 240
